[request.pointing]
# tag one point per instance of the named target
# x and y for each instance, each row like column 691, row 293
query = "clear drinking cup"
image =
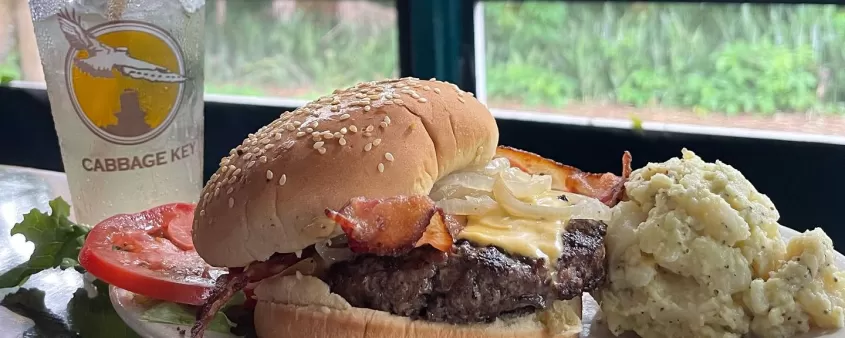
column 125, row 81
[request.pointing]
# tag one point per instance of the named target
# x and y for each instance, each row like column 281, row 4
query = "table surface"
column 26, row 311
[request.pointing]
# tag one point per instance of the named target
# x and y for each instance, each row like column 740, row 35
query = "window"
column 295, row 49
column 765, row 67
column 298, row 49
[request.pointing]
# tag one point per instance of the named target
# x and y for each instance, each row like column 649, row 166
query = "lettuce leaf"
column 177, row 314
column 57, row 242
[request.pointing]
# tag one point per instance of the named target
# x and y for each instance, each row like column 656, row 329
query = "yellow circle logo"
column 125, row 78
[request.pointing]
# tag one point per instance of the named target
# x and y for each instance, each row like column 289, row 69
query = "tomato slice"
column 150, row 253
column 178, row 229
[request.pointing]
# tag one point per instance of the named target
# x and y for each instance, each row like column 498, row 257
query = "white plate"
column 594, row 327
column 130, row 311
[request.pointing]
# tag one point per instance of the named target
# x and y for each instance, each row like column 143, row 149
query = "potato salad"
column 696, row 251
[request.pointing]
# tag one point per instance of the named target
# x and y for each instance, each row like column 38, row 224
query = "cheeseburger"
column 387, row 210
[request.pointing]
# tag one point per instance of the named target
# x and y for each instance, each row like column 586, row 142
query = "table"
column 63, row 309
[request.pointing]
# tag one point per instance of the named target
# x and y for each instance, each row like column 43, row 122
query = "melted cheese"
column 521, row 236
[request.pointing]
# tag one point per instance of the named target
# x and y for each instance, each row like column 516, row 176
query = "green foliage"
column 721, row 58
column 727, row 58
column 285, row 55
column 9, row 69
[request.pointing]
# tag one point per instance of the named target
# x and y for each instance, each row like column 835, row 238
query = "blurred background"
column 760, row 66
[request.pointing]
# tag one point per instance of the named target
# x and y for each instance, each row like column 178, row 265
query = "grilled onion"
column 524, row 185
column 468, row 206
column 333, row 255
column 518, row 208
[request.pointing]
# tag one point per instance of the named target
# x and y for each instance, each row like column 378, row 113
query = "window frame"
column 777, row 166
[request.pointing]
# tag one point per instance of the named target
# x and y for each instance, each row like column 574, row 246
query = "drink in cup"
column 125, row 81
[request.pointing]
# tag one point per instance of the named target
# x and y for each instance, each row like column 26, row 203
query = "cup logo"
column 125, row 78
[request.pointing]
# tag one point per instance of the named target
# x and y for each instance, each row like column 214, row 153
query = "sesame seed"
column 381, row 167
column 338, row 134
column 247, row 156
column 309, row 130
column 368, row 134
column 422, row 100
column 232, row 179
column 318, row 144
column 367, row 108
column 237, row 172
column 231, row 189
column 334, row 108
column 216, row 192
column 342, row 141
column 283, row 179
column 202, row 212
column 250, row 164
column 437, row 90
column 263, row 159
column 290, row 127
column 387, row 103
column 398, row 101
column 470, row 94
column 224, row 169
column 353, row 128
column 269, row 175
column 368, row 147
column 315, row 133
column 415, row 95
column 343, row 130
column 316, row 138
column 300, row 134
column 231, row 202
column 369, row 128
column 315, row 124
column 376, row 142
column 269, row 146
column 297, row 123
column 387, row 119
column 344, row 117
column 389, row 157
column 426, row 88
column 383, row 124
column 462, row 100
column 432, row 79
column 322, row 151
column 328, row 135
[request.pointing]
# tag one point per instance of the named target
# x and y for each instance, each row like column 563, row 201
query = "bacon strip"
column 393, row 226
column 236, row 280
column 607, row 188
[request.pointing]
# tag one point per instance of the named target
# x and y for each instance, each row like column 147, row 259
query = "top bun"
column 376, row 139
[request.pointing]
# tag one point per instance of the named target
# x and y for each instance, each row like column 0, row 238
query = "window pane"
column 761, row 66
column 298, row 49
column 271, row 48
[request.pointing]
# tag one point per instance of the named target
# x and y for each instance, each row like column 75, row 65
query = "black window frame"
column 803, row 178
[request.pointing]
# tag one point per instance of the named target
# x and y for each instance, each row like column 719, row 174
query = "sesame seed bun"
column 303, row 306
column 376, row 139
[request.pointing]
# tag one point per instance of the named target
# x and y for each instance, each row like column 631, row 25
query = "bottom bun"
column 285, row 320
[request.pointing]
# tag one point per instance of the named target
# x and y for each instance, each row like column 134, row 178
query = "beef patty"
column 472, row 284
